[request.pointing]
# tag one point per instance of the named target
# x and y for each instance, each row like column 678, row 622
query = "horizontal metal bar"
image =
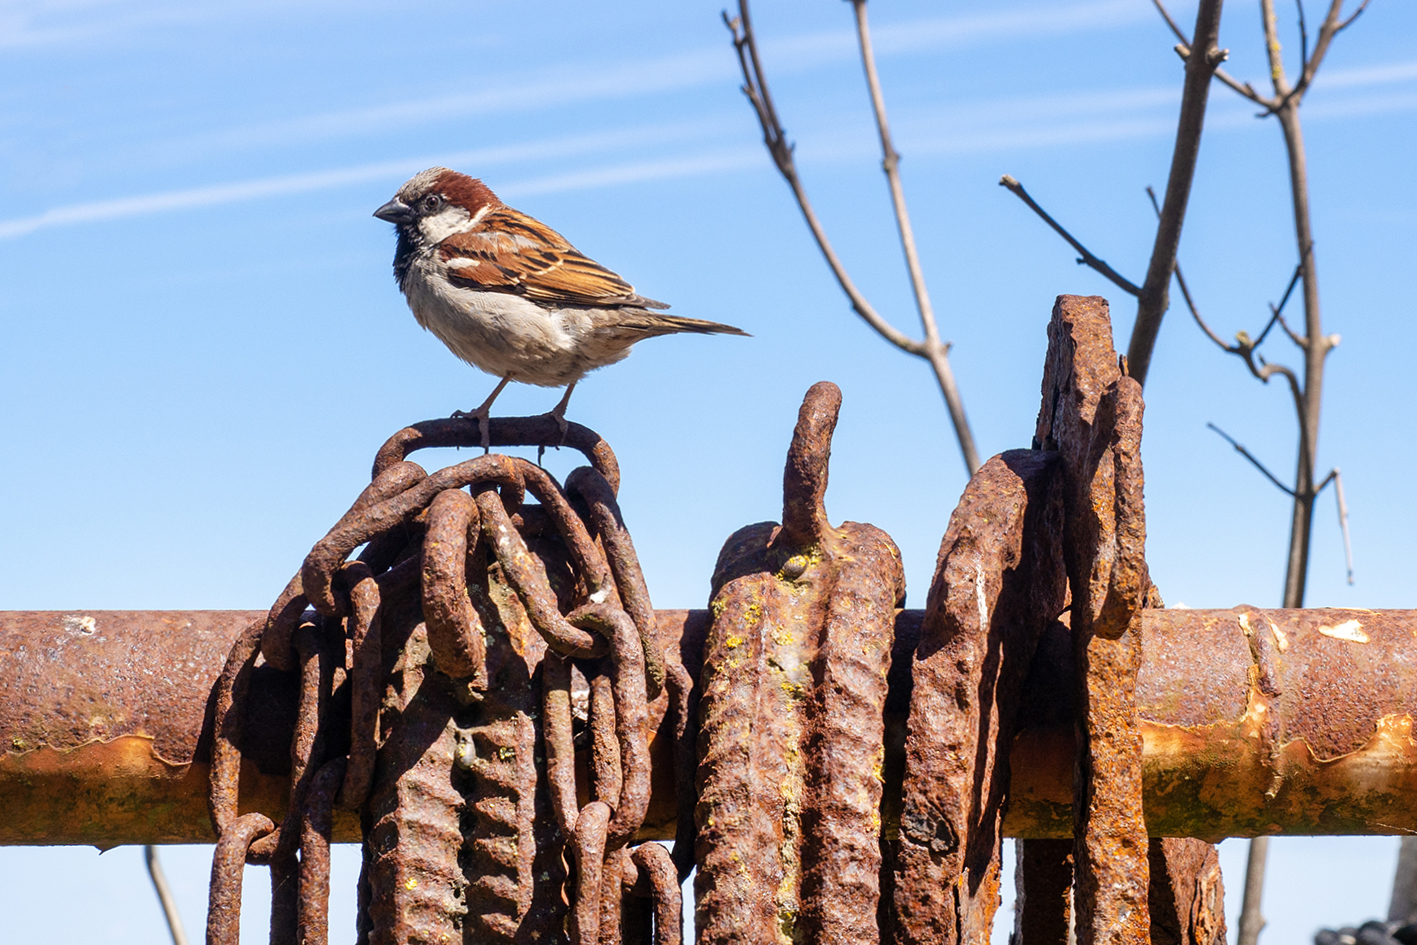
column 1255, row 721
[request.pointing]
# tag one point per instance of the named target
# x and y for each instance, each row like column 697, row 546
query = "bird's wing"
column 509, row 251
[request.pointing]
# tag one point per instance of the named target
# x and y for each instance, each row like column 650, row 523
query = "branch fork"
column 930, row 348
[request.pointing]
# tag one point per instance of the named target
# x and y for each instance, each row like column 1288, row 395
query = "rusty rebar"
column 791, row 724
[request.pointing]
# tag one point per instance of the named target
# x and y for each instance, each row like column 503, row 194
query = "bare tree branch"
column 1244, row 347
column 1202, row 59
column 932, row 350
column 1303, row 38
column 755, row 88
column 164, row 896
column 1185, row 289
column 1195, row 313
column 1251, row 917
column 1184, row 50
column 1332, row 24
column 1356, row 13
column 936, row 353
column 1250, row 456
column 890, row 164
column 1284, row 105
column 1085, row 257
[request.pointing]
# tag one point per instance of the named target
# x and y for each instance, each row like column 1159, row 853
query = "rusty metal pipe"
column 1255, row 722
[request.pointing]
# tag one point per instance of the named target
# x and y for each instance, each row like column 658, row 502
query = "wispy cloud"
column 394, row 171
column 49, row 24
column 716, row 162
column 998, row 125
column 578, row 83
column 1367, row 75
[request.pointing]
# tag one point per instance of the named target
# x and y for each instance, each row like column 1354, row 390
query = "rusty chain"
column 436, row 671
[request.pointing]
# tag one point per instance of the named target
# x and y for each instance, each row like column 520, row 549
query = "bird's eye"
column 432, row 203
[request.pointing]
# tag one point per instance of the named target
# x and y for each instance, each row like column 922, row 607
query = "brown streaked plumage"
column 509, row 294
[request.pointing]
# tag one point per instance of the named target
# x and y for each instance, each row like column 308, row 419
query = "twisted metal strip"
column 588, row 846
column 686, row 761
column 512, row 847
column 231, row 689
column 593, row 569
column 317, row 823
column 416, row 883
column 606, row 776
column 366, row 679
column 631, row 715
column 530, row 582
column 228, row 868
column 285, row 613
column 330, row 552
column 599, row 497
column 503, row 431
column 612, row 894
column 454, row 630
column 317, row 673
column 841, row 856
column 557, row 737
column 658, row 867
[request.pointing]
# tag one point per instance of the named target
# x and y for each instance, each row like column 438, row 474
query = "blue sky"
column 204, row 344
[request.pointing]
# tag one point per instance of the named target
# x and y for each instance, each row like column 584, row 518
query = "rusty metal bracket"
column 998, row 585
column 1091, row 415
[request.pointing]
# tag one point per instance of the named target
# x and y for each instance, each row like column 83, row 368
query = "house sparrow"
column 510, row 295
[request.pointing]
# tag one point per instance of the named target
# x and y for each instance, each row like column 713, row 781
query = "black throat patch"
column 411, row 243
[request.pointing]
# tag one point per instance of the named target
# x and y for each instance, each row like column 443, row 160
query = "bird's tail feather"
column 654, row 323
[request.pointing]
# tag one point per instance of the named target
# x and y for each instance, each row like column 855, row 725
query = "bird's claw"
column 484, row 425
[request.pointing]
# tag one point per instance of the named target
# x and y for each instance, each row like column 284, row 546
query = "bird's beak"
column 395, row 211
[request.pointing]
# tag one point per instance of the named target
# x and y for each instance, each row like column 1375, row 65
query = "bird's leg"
column 483, row 414
column 558, row 412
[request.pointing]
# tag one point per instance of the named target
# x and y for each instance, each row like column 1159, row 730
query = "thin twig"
column 1332, row 23
column 1278, row 310
column 1195, row 313
column 1274, row 317
column 1309, row 64
column 1343, row 507
column 164, row 896
column 1202, row 57
column 1085, row 257
column 1303, row 38
column 931, row 349
column 1250, row 456
column 890, row 164
column 1181, row 279
column 1244, row 347
column 937, row 354
column 1184, row 49
column 1336, row 477
column 775, row 138
column 1356, row 13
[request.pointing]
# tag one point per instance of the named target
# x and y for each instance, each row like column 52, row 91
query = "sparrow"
column 508, row 294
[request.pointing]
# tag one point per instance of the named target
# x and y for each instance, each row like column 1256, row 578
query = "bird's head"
column 431, row 206
column 436, row 203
